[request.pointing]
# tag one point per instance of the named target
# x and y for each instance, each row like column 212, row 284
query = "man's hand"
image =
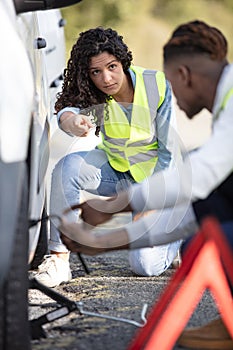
column 97, row 211
column 80, row 248
column 94, row 211
column 76, row 124
column 78, row 239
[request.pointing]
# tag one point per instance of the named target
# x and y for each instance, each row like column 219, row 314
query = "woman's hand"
column 76, row 124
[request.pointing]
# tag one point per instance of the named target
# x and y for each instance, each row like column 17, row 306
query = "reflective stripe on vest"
column 133, row 146
column 226, row 98
column 224, row 102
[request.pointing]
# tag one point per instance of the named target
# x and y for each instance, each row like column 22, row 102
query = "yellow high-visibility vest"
column 132, row 145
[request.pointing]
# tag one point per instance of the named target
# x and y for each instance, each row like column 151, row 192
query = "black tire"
column 42, row 245
column 14, row 325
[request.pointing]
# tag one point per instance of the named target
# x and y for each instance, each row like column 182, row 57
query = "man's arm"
column 155, row 229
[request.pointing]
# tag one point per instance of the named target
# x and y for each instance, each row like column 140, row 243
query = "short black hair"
column 196, row 37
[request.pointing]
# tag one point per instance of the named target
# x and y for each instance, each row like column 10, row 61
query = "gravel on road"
column 111, row 289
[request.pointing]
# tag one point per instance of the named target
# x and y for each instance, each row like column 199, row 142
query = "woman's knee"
column 153, row 261
column 143, row 263
column 69, row 170
column 66, row 164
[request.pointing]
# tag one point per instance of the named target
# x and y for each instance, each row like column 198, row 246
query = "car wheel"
column 14, row 325
column 42, row 244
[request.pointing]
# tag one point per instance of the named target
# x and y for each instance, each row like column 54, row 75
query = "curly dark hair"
column 78, row 90
column 196, row 37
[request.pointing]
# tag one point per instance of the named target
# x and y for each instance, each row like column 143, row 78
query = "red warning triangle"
column 207, row 263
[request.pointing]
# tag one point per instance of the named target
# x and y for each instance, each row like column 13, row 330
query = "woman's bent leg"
column 81, row 171
column 88, row 171
column 153, row 261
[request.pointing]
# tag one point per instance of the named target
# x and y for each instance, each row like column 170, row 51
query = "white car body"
column 44, row 37
column 32, row 62
column 33, row 59
column 14, row 131
column 48, row 65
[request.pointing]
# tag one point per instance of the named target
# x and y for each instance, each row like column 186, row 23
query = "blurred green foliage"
column 92, row 13
column 146, row 24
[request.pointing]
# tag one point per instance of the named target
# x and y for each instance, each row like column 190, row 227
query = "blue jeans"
column 91, row 172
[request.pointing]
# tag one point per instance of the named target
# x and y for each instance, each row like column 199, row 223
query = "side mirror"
column 35, row 5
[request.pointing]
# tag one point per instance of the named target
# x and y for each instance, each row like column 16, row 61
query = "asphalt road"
column 110, row 289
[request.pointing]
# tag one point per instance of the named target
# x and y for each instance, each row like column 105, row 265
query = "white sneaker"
column 53, row 271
